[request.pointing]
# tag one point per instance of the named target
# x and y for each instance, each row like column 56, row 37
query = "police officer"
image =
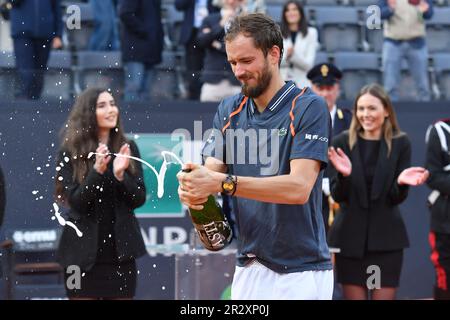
column 325, row 79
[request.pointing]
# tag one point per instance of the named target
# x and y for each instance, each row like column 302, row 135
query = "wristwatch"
column 229, row 185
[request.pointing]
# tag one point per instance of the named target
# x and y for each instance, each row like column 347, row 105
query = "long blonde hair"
column 390, row 128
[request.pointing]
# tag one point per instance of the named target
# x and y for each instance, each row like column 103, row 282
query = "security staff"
column 325, row 79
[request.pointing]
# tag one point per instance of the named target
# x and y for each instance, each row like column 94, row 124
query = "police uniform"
column 438, row 163
column 327, row 74
column 324, row 74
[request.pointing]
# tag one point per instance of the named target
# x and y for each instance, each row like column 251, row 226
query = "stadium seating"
column 438, row 31
column 321, row 57
column 8, row 78
column 78, row 39
column 102, row 69
column 442, row 68
column 275, row 11
column 167, row 77
column 359, row 69
column 58, row 80
column 339, row 27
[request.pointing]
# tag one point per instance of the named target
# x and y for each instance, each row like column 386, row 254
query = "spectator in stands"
column 106, row 33
column 36, row 28
column 254, row 6
column 370, row 179
column 218, row 79
column 325, row 79
column 101, row 193
column 300, row 44
column 194, row 13
column 141, row 43
column 248, row 6
column 404, row 38
column 438, row 163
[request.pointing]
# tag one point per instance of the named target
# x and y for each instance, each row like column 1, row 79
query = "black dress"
column 108, row 278
column 353, row 270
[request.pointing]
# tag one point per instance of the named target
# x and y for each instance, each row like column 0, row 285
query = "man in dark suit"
column 36, row 28
column 217, row 76
column 141, row 43
column 194, row 13
column 325, row 79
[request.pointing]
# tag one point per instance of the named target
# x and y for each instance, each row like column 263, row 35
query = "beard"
column 261, row 86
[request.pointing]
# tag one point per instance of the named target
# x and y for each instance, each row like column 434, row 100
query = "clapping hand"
column 340, row 161
column 414, row 176
column 102, row 158
column 120, row 164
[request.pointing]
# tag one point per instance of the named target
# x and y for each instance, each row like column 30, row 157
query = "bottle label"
column 215, row 235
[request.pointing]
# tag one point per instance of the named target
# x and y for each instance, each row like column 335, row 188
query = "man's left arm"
column 292, row 188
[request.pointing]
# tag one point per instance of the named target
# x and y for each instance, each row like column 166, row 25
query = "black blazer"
column 370, row 221
column 2, row 196
column 84, row 213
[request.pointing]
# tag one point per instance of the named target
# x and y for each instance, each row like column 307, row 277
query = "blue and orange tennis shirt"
column 295, row 125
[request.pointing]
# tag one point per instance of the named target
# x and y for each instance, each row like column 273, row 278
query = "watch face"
column 227, row 186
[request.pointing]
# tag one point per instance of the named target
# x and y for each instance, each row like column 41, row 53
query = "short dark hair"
column 265, row 32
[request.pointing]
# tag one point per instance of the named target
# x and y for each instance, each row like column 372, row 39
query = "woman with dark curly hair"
column 101, row 194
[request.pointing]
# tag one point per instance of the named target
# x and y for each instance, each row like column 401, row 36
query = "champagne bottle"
column 211, row 225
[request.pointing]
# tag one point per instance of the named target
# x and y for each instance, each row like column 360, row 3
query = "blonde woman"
column 370, row 179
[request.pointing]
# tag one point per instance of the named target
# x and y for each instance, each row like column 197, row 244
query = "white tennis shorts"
column 257, row 282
